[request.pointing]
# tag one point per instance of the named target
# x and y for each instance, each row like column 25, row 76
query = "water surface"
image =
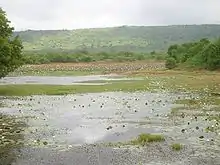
column 57, row 80
column 59, row 127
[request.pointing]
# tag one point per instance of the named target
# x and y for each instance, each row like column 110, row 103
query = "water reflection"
column 11, row 138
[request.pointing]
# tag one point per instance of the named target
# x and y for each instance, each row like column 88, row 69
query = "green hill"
column 124, row 38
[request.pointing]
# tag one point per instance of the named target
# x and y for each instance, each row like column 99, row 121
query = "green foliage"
column 176, row 147
column 210, row 57
column 84, row 56
column 10, row 48
column 125, row 38
column 126, row 43
column 170, row 63
column 204, row 54
column 29, row 89
column 143, row 139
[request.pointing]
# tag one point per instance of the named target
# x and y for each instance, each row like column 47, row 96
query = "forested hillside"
column 125, row 38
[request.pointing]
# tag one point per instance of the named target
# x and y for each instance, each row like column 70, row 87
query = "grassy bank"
column 175, row 81
column 25, row 90
column 182, row 80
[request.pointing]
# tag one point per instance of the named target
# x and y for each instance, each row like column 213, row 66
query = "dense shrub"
column 170, row 63
column 204, row 54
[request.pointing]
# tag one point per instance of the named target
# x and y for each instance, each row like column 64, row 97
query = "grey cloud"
column 70, row 14
column 31, row 10
column 182, row 12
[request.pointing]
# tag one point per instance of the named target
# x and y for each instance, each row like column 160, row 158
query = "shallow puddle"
column 90, row 115
column 57, row 80
column 61, row 123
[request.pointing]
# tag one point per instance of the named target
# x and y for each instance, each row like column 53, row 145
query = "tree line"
column 84, row 56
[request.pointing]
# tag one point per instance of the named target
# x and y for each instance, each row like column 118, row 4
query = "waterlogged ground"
column 85, row 129
column 63, row 80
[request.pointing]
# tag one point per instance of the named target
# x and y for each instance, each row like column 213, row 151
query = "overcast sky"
column 72, row 14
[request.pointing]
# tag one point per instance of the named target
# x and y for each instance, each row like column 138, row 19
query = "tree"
column 170, row 63
column 211, row 56
column 10, row 47
column 172, row 51
column 153, row 52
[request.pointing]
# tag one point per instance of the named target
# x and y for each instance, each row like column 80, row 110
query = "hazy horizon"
column 114, row 27
column 84, row 14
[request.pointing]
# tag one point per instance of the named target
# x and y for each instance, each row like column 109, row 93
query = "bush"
column 201, row 54
column 170, row 63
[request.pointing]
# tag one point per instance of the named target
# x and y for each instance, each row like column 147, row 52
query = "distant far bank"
column 124, row 38
column 107, row 27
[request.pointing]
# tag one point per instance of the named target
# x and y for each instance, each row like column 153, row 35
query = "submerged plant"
column 177, row 146
column 143, row 139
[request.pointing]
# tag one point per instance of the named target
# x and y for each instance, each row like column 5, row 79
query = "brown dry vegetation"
column 104, row 67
